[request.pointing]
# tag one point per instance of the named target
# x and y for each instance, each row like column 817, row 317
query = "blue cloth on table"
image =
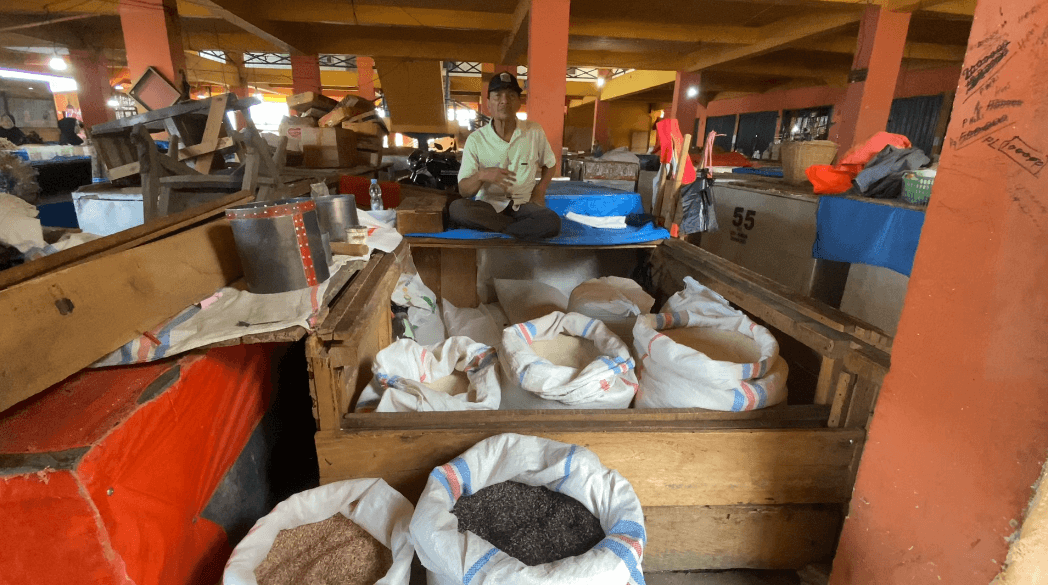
column 565, row 197
column 763, row 172
column 861, row 232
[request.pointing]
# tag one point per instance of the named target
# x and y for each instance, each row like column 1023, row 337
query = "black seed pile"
column 532, row 524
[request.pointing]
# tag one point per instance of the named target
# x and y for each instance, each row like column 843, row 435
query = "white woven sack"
column 403, row 370
column 615, row 301
column 674, row 375
column 463, row 558
column 371, row 503
column 531, row 382
column 699, row 298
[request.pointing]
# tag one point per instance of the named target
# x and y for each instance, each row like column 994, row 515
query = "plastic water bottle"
column 376, row 195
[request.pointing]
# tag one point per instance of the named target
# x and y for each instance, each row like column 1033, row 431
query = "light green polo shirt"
column 524, row 155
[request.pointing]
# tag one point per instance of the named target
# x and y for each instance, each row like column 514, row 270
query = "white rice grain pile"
column 717, row 344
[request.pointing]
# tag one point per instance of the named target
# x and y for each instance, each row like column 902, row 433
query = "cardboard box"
column 303, row 102
column 334, row 147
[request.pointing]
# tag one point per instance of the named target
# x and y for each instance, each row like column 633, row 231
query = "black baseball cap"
column 504, row 81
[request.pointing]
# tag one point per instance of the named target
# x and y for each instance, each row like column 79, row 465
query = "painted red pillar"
column 153, row 38
column 960, row 430
column 601, row 111
column 487, row 71
column 878, row 59
column 305, row 73
column 547, row 68
column 93, row 89
column 689, row 108
column 366, row 77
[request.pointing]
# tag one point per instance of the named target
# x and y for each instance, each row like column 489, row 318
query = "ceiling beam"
column 929, row 51
column 955, row 8
column 776, row 35
column 632, row 29
column 259, row 28
column 832, row 76
column 635, row 82
column 321, row 11
column 515, row 45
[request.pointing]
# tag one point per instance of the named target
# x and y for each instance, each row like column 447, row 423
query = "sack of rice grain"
column 615, row 301
column 565, row 360
column 719, row 363
column 459, row 374
column 569, row 519
column 351, row 532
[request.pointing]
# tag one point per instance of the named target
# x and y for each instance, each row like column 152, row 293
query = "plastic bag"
column 524, row 300
column 405, row 373
column 698, row 204
column 483, row 324
column 371, row 503
column 615, row 301
column 427, row 327
column 463, row 558
column 531, row 382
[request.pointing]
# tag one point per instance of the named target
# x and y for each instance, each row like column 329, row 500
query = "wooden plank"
column 684, row 468
column 198, row 150
column 828, row 374
column 129, row 238
column 458, row 277
column 125, row 170
column 841, row 399
column 63, row 321
column 419, row 242
column 860, row 408
column 427, row 263
column 657, row 419
column 116, row 126
column 382, row 269
column 322, row 384
column 688, row 538
column 374, row 297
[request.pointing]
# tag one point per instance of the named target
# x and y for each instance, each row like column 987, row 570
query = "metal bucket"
column 279, row 244
column 336, row 213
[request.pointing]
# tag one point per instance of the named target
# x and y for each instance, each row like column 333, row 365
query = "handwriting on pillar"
column 992, row 113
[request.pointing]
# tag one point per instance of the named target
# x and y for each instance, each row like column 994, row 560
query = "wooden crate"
column 765, row 489
column 422, row 214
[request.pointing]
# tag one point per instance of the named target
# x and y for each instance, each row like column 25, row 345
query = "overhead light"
column 113, row 103
column 118, row 87
column 600, row 82
column 30, row 88
column 693, row 91
column 57, row 63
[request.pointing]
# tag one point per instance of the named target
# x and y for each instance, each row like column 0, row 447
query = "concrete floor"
column 724, row 578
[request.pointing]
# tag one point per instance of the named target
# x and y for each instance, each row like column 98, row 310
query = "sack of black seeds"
column 339, row 510
column 533, row 496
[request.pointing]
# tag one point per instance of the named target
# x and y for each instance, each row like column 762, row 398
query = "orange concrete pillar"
column 868, row 101
column 93, row 91
column 366, row 77
column 601, row 111
column 689, row 106
column 487, row 71
column 153, row 38
column 547, row 68
column 305, row 73
column 960, row 429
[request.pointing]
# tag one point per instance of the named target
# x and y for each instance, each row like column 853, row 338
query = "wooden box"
column 334, row 147
column 422, row 214
column 765, row 489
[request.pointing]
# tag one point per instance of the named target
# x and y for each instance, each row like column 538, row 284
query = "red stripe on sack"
column 422, row 366
column 751, row 397
column 657, row 335
column 524, row 332
column 453, row 481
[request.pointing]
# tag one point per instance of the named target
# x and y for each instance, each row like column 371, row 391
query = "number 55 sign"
column 742, row 221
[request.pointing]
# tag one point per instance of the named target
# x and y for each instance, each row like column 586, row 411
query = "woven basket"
column 798, row 156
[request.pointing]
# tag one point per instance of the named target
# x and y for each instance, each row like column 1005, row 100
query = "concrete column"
column 366, row 77
column 960, row 428
column 547, row 68
column 93, row 89
column 601, row 110
column 865, row 109
column 153, row 38
column 305, row 73
column 689, row 104
column 487, row 71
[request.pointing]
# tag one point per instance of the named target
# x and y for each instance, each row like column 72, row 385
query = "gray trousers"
column 530, row 222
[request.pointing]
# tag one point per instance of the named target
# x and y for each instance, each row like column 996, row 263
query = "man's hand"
column 538, row 194
column 497, row 176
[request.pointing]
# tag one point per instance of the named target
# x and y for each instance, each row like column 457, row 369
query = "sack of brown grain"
column 354, row 532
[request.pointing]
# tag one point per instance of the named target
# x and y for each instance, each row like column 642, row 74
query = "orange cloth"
column 835, row 179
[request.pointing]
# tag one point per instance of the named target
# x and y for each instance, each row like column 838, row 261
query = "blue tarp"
column 861, row 232
column 584, row 199
column 763, row 171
